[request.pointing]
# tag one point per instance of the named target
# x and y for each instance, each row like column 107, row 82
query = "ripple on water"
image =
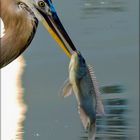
column 115, row 124
column 90, row 8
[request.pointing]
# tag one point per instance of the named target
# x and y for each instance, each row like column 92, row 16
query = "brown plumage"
column 20, row 25
column 20, row 19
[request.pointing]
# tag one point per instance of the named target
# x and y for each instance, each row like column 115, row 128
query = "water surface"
column 106, row 32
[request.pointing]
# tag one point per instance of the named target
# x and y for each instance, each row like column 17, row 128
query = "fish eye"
column 41, row 4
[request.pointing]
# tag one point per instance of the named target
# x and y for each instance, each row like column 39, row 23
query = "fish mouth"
column 54, row 26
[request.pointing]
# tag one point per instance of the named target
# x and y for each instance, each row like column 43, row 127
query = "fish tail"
column 92, row 131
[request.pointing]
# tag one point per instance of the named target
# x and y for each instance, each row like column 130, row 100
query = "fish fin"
column 66, row 89
column 99, row 104
column 92, row 131
column 84, row 118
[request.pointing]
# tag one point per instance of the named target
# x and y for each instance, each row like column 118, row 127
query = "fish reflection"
column 13, row 107
column 112, row 89
column 114, row 125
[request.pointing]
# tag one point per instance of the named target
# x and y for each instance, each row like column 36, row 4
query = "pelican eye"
column 41, row 4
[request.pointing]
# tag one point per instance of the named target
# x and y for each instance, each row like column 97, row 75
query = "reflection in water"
column 12, row 105
column 112, row 89
column 114, row 125
column 96, row 7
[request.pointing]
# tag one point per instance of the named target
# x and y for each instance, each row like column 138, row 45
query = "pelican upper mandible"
column 20, row 19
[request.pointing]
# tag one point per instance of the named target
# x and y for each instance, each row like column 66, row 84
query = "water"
column 106, row 32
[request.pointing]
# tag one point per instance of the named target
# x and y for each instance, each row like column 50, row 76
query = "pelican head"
column 46, row 13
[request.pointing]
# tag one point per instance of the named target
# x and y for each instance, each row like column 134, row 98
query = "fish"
column 82, row 82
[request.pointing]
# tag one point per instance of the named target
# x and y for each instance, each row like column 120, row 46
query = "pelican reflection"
column 13, row 107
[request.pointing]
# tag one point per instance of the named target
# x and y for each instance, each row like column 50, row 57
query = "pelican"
column 21, row 19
